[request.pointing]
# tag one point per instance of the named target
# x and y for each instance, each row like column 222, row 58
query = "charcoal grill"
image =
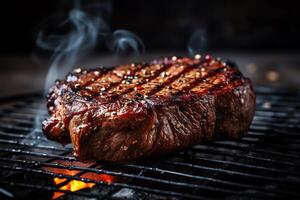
column 263, row 165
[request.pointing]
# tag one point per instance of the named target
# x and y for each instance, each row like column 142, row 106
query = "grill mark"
column 118, row 83
column 199, row 80
column 90, row 93
column 109, row 71
column 229, row 78
column 96, row 93
column 102, row 73
column 236, row 75
column 169, row 81
column 83, row 80
column 135, row 70
column 157, row 73
column 188, row 68
column 189, row 85
column 165, row 67
column 89, row 81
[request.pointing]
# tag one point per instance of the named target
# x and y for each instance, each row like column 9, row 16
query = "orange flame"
column 72, row 186
column 75, row 185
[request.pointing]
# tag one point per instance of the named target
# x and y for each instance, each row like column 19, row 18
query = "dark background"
column 250, row 25
column 262, row 37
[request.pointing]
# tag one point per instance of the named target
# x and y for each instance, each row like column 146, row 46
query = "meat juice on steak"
column 137, row 110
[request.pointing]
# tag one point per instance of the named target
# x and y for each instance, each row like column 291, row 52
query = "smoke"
column 198, row 42
column 123, row 42
column 74, row 36
column 84, row 30
column 69, row 48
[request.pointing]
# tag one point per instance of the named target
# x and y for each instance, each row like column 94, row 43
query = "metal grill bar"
column 54, row 189
column 153, row 190
column 262, row 165
column 139, row 177
column 220, row 152
column 256, row 167
column 214, row 189
column 197, row 148
column 204, row 149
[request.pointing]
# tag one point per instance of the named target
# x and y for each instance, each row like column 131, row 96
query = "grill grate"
column 263, row 165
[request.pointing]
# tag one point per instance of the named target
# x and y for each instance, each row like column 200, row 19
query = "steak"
column 137, row 110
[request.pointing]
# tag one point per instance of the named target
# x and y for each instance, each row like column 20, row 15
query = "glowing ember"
column 72, row 186
column 75, row 185
column 68, row 184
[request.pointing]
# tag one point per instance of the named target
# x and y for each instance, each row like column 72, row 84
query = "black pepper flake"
column 116, row 96
column 138, row 95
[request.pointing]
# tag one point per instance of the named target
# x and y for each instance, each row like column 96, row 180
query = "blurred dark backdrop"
column 262, row 37
column 164, row 25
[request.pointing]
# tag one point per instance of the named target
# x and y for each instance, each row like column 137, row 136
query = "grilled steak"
column 137, row 110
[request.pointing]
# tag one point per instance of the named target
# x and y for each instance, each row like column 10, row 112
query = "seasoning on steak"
column 137, row 110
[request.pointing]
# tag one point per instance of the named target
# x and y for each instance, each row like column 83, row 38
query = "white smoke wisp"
column 84, row 31
column 67, row 50
column 124, row 43
column 198, row 42
column 71, row 47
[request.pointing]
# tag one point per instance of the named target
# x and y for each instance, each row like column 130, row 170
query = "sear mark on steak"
column 137, row 110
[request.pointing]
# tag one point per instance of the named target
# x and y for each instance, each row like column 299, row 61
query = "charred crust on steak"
column 142, row 109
